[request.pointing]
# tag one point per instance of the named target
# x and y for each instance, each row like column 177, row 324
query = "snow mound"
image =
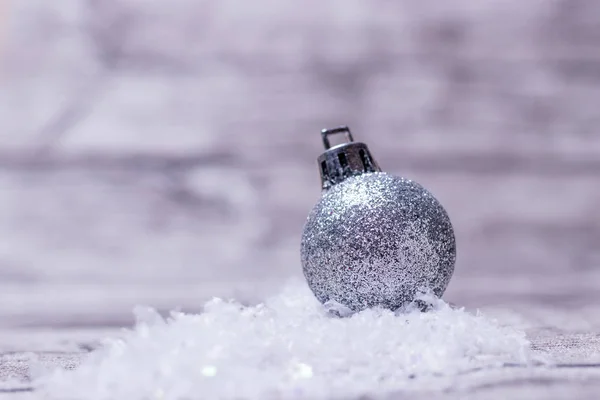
column 289, row 347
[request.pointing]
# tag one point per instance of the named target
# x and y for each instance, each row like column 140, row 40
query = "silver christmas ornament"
column 373, row 239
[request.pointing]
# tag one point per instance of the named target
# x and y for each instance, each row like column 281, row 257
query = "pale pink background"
column 159, row 153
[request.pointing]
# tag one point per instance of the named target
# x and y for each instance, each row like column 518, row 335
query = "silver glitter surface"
column 375, row 240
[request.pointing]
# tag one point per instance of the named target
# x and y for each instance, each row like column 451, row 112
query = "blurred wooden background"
column 161, row 152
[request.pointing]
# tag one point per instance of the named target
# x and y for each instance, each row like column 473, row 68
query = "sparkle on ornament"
column 373, row 239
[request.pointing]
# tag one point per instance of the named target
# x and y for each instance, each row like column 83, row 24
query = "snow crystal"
column 288, row 347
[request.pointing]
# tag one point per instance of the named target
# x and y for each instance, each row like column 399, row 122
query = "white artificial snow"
column 287, row 348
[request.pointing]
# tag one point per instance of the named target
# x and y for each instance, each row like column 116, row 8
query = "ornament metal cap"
column 344, row 160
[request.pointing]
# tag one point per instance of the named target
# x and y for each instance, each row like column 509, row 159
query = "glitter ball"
column 374, row 239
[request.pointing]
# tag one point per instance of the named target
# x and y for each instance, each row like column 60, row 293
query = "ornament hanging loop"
column 344, row 160
column 340, row 129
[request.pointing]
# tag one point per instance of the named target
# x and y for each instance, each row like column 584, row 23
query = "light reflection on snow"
column 288, row 347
